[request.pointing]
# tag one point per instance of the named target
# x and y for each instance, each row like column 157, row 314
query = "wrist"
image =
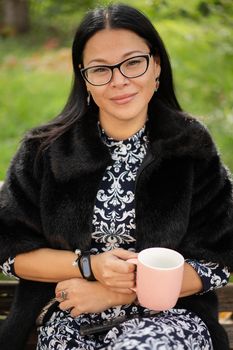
column 75, row 262
column 93, row 264
column 83, row 263
column 85, row 266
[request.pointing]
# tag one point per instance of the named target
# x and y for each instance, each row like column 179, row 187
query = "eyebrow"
column 102, row 60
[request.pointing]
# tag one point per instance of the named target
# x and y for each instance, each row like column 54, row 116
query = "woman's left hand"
column 83, row 297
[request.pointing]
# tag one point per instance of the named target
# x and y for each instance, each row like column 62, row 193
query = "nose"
column 118, row 78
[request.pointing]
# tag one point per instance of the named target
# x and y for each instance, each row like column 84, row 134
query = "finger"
column 125, row 284
column 61, row 286
column 115, row 277
column 124, row 254
column 120, row 281
column 131, row 267
column 125, row 277
column 66, row 305
column 75, row 312
column 123, row 290
column 122, row 266
column 60, row 295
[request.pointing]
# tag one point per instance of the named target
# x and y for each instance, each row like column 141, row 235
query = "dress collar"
column 120, row 148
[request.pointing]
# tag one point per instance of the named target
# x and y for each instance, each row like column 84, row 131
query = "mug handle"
column 133, row 261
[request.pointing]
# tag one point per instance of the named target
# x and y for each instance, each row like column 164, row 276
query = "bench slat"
column 7, row 289
column 225, row 298
column 229, row 330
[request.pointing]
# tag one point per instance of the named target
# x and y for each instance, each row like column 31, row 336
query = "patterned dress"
column 114, row 227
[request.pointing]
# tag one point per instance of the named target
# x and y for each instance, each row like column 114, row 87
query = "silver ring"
column 64, row 295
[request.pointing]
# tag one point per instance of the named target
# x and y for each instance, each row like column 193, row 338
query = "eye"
column 99, row 70
column 134, row 61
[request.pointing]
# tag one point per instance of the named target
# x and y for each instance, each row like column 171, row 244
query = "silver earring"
column 88, row 98
column 157, row 84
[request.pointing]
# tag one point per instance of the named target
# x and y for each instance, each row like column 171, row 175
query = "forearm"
column 46, row 265
column 192, row 283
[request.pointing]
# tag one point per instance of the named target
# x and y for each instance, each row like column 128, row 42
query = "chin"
column 125, row 117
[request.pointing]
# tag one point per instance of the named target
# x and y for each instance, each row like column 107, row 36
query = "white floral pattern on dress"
column 114, row 212
column 174, row 329
column 8, row 268
column 212, row 275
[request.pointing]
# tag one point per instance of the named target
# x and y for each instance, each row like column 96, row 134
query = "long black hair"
column 116, row 16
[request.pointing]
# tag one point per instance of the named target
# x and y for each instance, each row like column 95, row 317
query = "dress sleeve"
column 8, row 268
column 212, row 274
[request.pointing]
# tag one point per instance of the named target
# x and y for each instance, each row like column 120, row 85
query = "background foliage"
column 36, row 73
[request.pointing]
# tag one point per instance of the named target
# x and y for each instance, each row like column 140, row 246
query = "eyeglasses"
column 131, row 68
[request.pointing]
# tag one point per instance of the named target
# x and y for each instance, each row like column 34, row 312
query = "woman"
column 122, row 168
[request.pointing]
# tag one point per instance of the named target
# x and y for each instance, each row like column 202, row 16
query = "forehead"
column 110, row 45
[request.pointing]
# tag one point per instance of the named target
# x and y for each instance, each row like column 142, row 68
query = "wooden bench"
column 7, row 289
column 225, row 296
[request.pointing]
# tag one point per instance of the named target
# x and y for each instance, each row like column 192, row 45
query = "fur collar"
column 171, row 134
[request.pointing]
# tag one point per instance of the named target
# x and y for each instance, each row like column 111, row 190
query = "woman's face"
column 122, row 100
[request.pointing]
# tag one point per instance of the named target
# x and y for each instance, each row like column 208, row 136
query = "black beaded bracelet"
column 76, row 263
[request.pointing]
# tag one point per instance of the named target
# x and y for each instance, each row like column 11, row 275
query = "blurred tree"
column 217, row 7
column 53, row 7
column 192, row 9
column 19, row 16
column 15, row 15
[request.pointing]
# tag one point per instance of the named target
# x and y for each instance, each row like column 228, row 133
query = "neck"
column 121, row 129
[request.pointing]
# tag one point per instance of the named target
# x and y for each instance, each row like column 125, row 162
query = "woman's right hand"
column 87, row 297
column 111, row 269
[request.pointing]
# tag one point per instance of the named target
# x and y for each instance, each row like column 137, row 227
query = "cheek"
column 97, row 95
column 149, row 87
column 152, row 83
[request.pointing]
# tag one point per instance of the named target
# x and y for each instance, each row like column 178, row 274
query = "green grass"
column 202, row 56
column 35, row 81
column 5, row 278
column 29, row 96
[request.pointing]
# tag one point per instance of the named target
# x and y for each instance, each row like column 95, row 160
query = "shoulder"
column 26, row 161
column 208, row 164
column 180, row 135
column 203, row 149
column 198, row 138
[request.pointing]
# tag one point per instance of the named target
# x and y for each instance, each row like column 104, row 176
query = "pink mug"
column 159, row 277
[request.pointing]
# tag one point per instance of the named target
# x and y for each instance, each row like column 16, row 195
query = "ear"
column 86, row 83
column 157, row 59
column 157, row 71
column 157, row 66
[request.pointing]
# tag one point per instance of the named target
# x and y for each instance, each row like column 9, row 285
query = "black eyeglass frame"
column 118, row 66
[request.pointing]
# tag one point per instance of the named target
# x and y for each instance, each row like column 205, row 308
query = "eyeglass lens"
column 131, row 68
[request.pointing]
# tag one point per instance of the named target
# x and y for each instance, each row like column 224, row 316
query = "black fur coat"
column 183, row 199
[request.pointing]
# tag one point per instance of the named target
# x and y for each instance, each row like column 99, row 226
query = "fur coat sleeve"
column 210, row 228
column 20, row 222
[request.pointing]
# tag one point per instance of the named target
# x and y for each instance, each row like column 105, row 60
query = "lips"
column 123, row 98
